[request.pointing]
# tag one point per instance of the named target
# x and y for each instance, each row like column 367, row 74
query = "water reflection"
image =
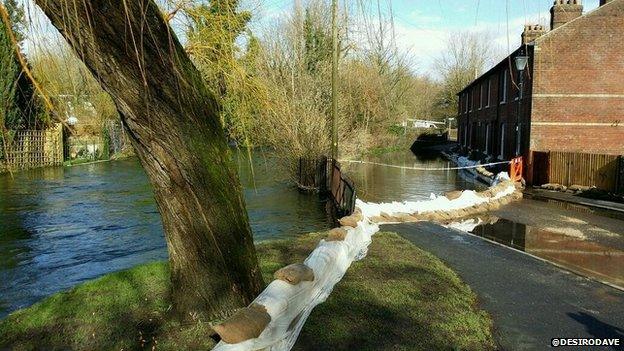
column 62, row 226
column 574, row 253
column 385, row 184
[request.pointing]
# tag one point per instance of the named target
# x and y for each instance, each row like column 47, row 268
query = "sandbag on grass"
column 337, row 234
column 349, row 221
column 295, row 274
column 247, row 323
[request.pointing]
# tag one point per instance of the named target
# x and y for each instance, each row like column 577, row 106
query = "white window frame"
column 504, row 89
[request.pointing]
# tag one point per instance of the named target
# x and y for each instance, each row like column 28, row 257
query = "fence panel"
column 597, row 170
column 33, row 148
column 343, row 191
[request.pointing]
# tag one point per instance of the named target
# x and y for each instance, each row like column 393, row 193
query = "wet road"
column 530, row 301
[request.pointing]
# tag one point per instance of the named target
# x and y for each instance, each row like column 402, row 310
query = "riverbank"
column 398, row 297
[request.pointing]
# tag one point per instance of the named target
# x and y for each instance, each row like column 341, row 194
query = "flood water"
column 576, row 253
column 62, row 226
column 377, row 183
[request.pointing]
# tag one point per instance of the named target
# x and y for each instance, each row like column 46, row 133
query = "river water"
column 62, row 226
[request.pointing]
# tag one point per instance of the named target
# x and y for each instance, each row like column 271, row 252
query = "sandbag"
column 378, row 219
column 452, row 195
column 295, row 274
column 349, row 221
column 405, row 217
column 579, row 188
column 247, row 323
column 337, row 234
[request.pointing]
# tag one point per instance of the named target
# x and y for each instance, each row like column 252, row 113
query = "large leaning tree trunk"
column 173, row 123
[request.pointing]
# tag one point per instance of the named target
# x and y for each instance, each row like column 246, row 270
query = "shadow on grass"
column 397, row 298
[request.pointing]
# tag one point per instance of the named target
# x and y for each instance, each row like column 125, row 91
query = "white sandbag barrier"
column 289, row 299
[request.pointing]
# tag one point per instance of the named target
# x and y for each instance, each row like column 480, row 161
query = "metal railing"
column 342, row 190
column 326, row 176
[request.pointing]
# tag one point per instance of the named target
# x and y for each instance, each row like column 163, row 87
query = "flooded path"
column 575, row 238
column 530, row 301
column 583, row 240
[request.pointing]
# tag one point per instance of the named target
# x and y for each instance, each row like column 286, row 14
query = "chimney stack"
column 563, row 11
column 532, row 32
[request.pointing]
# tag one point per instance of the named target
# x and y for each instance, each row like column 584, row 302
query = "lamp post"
column 521, row 63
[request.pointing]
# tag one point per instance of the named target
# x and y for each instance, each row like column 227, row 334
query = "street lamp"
column 521, row 64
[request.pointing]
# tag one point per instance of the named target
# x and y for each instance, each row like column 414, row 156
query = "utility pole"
column 334, row 113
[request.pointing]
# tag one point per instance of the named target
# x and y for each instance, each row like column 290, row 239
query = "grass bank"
column 398, row 298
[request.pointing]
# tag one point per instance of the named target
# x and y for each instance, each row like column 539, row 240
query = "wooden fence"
column 567, row 168
column 26, row 149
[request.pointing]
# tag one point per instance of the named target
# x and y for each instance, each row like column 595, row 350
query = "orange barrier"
column 515, row 169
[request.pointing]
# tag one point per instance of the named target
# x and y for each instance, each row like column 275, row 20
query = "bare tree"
column 173, row 122
column 464, row 59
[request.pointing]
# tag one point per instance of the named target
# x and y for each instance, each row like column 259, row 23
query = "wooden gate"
column 541, row 167
column 325, row 176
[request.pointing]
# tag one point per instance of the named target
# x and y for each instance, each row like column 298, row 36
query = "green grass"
column 398, row 298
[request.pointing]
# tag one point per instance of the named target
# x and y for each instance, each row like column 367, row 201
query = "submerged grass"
column 398, row 298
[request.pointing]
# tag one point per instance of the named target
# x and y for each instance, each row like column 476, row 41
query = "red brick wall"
column 578, row 101
column 497, row 114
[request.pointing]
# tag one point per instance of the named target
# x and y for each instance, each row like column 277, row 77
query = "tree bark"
column 173, row 124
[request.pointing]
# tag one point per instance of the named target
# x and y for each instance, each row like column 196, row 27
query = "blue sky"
column 422, row 26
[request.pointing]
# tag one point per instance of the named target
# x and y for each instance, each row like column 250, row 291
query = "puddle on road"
column 576, row 254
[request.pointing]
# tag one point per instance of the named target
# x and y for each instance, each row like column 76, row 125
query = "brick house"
column 573, row 95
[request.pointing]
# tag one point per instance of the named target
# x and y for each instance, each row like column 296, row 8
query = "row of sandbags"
column 491, row 202
column 575, row 189
column 274, row 320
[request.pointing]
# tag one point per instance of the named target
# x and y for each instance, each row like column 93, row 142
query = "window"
column 503, row 86
column 465, row 133
column 470, row 99
column 487, row 139
column 502, row 141
column 489, row 92
column 466, row 102
column 481, row 95
column 478, row 139
column 518, row 139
